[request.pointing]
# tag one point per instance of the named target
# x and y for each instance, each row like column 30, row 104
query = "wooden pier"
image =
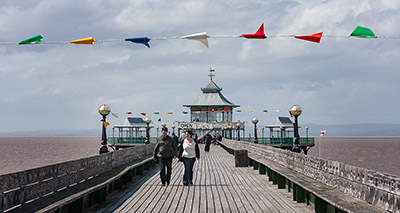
column 219, row 186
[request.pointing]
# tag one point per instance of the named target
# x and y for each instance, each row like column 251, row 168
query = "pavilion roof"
column 211, row 96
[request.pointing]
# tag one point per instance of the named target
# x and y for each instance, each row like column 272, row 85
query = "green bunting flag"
column 238, row 110
column 363, row 32
column 157, row 113
column 32, row 40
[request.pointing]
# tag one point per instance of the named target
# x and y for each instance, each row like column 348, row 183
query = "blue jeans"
column 188, row 176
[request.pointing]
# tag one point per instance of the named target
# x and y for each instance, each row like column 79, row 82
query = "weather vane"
column 211, row 73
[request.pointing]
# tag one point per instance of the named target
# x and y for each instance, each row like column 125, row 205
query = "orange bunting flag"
column 106, row 124
column 89, row 40
column 170, row 113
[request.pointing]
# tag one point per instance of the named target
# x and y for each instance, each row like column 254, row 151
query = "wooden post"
column 262, row 169
column 241, row 158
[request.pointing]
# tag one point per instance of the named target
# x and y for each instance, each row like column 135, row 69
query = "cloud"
column 329, row 80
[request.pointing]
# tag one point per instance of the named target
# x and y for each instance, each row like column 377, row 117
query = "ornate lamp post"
column 104, row 110
column 238, row 131
column 148, row 121
column 296, row 110
column 163, row 124
column 173, row 128
column 255, row 121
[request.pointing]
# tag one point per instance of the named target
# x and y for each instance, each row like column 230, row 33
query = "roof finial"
column 211, row 73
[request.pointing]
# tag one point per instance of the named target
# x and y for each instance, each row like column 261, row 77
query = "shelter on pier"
column 211, row 110
column 132, row 131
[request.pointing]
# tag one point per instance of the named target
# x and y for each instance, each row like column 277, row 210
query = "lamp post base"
column 296, row 148
column 103, row 149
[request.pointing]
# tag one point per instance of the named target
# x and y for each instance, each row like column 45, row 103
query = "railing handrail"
column 21, row 187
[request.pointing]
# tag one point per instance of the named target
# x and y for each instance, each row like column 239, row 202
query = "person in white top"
column 188, row 152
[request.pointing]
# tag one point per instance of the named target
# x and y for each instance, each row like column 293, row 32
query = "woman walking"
column 188, row 152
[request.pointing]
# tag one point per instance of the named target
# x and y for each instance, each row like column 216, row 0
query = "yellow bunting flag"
column 170, row 112
column 89, row 40
column 106, row 124
column 251, row 110
column 167, row 120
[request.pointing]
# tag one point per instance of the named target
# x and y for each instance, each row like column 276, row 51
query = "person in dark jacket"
column 207, row 140
column 164, row 151
column 175, row 138
column 188, row 152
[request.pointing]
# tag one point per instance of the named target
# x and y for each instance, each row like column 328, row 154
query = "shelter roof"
column 132, row 122
column 281, row 121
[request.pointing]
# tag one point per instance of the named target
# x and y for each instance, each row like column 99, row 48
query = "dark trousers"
column 165, row 163
column 207, row 147
column 188, row 176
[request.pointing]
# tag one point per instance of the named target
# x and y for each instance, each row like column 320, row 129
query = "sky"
column 61, row 86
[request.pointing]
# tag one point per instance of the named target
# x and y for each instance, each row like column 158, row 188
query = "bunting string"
column 358, row 32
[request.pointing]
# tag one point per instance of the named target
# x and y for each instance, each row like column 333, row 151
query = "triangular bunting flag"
column 363, row 32
column 140, row 40
column 202, row 37
column 313, row 38
column 89, row 40
column 32, row 40
column 258, row 35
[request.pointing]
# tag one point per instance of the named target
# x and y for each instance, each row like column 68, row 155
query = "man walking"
column 207, row 140
column 164, row 151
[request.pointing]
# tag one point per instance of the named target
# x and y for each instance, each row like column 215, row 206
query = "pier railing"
column 129, row 140
column 21, row 188
column 288, row 141
column 379, row 189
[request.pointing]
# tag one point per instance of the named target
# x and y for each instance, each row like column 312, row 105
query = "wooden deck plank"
column 218, row 187
column 168, row 199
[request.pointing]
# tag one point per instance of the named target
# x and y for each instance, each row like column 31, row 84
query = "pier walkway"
column 219, row 186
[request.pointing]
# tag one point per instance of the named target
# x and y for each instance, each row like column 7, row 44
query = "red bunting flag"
column 313, row 38
column 226, row 109
column 211, row 110
column 129, row 113
column 143, row 113
column 258, row 35
column 290, row 114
